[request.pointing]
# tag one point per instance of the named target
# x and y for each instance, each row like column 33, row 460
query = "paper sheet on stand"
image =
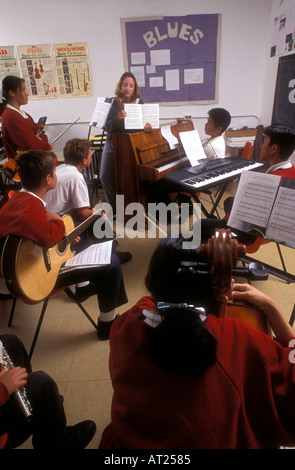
column 192, row 146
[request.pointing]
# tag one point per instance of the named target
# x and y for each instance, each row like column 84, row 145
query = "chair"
column 246, row 152
column 6, row 183
column 6, row 186
column 69, row 293
column 292, row 317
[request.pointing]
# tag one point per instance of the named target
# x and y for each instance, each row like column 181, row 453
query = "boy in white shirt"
column 218, row 121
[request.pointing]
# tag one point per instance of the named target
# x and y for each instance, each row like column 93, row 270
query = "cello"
column 222, row 253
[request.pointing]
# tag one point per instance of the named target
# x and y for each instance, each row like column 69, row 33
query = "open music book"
column 98, row 254
column 265, row 207
column 101, row 112
column 192, row 146
column 138, row 115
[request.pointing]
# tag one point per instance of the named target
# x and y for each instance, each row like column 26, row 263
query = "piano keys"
column 207, row 175
column 219, row 171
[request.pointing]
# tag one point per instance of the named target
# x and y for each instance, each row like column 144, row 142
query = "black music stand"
column 91, row 173
column 280, row 273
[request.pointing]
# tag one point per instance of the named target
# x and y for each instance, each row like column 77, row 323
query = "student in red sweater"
column 48, row 422
column 275, row 151
column 19, row 131
column 25, row 215
column 185, row 379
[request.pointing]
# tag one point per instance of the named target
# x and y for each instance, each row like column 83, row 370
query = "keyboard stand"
column 210, row 214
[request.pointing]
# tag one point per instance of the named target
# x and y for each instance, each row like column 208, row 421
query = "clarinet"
column 20, row 394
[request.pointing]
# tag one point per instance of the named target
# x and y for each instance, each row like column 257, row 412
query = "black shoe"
column 124, row 256
column 80, row 435
column 83, row 293
column 104, row 328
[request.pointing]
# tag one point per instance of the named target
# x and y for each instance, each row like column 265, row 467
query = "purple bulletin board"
column 174, row 58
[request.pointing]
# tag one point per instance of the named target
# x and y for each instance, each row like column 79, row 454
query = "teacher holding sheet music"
column 127, row 92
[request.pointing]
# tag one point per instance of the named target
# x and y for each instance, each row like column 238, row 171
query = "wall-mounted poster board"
column 174, row 58
column 284, row 101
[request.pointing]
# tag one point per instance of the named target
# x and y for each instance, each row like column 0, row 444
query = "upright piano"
column 142, row 158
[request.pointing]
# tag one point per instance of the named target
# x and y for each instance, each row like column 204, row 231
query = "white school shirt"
column 214, row 148
column 70, row 193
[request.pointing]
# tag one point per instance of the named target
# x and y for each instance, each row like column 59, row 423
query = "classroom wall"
column 244, row 61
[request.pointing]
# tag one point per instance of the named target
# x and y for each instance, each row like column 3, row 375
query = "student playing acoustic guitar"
column 25, row 215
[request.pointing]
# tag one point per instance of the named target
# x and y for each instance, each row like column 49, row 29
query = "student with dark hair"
column 218, row 121
column 276, row 148
column 25, row 215
column 127, row 91
column 185, row 379
column 48, row 424
column 19, row 131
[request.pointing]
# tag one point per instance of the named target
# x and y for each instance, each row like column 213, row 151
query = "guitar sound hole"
column 62, row 245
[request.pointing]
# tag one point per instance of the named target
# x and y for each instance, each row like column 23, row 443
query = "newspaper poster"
column 37, row 67
column 8, row 62
column 73, row 72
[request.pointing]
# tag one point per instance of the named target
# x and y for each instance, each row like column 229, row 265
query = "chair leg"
column 292, row 317
column 45, row 303
column 73, row 297
column 282, row 258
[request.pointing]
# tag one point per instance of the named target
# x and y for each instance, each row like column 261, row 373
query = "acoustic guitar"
column 30, row 271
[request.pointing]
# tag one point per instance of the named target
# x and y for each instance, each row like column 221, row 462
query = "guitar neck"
column 83, row 226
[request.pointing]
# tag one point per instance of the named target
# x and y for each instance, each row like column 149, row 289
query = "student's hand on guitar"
column 52, row 216
column 76, row 240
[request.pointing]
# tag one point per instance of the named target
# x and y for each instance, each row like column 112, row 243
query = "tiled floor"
column 68, row 348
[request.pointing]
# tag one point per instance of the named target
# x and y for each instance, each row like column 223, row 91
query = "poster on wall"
column 284, row 101
column 37, row 68
column 283, row 33
column 8, row 62
column 174, row 59
column 73, row 72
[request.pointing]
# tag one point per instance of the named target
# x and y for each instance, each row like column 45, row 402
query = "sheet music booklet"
column 193, row 147
column 138, row 115
column 265, row 207
column 95, row 255
column 101, row 112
